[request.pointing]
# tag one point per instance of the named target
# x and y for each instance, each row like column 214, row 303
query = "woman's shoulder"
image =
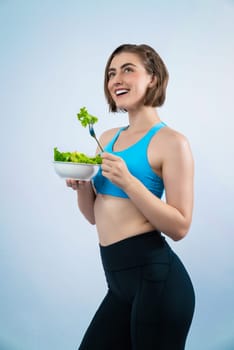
column 175, row 146
column 172, row 137
column 170, row 141
column 107, row 135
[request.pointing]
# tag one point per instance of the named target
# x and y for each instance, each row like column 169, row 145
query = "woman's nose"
column 117, row 80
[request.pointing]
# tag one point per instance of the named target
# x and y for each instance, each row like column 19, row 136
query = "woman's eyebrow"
column 112, row 69
column 127, row 64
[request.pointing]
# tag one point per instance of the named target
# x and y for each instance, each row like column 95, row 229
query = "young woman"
column 150, row 300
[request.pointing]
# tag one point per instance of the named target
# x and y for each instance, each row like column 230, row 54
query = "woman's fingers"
column 109, row 161
column 74, row 184
column 109, row 156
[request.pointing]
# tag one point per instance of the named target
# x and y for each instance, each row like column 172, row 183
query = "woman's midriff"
column 117, row 218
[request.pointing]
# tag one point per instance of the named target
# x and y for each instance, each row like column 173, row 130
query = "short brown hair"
column 153, row 64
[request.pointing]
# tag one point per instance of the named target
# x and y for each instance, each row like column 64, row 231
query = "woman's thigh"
column 110, row 327
column 163, row 307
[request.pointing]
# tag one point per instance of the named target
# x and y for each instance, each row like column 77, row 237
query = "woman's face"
column 128, row 81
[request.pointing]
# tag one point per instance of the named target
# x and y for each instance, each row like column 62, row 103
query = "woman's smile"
column 121, row 92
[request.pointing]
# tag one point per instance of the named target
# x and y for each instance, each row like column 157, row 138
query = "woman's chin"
column 122, row 106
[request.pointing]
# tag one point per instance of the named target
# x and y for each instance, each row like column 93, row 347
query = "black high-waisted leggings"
column 150, row 300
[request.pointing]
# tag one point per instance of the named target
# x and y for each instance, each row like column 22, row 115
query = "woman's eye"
column 127, row 70
column 111, row 75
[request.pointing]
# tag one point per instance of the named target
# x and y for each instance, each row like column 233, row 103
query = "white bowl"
column 76, row 171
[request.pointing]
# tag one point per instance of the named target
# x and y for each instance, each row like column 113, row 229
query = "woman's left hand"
column 115, row 169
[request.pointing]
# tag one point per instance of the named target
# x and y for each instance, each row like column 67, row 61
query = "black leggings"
column 150, row 300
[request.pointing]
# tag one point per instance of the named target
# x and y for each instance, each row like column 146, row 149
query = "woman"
column 150, row 298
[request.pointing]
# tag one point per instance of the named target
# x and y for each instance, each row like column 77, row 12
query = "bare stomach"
column 117, row 218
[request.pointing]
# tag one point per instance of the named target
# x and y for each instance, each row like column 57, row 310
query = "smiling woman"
column 150, row 298
column 152, row 64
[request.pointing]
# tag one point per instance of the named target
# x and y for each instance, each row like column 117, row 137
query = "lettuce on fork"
column 85, row 118
column 75, row 157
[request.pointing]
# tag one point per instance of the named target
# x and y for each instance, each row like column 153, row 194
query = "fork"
column 92, row 133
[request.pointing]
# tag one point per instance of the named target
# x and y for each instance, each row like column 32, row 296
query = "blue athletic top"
column 137, row 162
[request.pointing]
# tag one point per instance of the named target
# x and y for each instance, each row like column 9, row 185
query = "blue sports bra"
column 137, row 162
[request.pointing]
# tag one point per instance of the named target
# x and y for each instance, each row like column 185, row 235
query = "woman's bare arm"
column 85, row 197
column 85, row 192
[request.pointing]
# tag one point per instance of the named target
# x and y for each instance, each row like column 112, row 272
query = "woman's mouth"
column 120, row 92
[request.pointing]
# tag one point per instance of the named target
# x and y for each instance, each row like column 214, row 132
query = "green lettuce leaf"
column 85, row 118
column 75, row 157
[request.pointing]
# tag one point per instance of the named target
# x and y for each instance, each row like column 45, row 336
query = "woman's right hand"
column 75, row 184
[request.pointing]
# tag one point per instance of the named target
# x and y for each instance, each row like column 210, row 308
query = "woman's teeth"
column 121, row 92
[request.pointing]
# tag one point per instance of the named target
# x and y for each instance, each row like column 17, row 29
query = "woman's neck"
column 143, row 118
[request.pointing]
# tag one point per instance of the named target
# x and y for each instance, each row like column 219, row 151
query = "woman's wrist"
column 131, row 184
column 83, row 185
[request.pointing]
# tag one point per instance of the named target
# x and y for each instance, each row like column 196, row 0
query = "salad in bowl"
column 76, row 165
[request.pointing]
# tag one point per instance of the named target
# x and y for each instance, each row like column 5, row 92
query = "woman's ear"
column 153, row 81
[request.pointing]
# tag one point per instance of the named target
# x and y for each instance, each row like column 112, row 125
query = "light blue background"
column 52, row 57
